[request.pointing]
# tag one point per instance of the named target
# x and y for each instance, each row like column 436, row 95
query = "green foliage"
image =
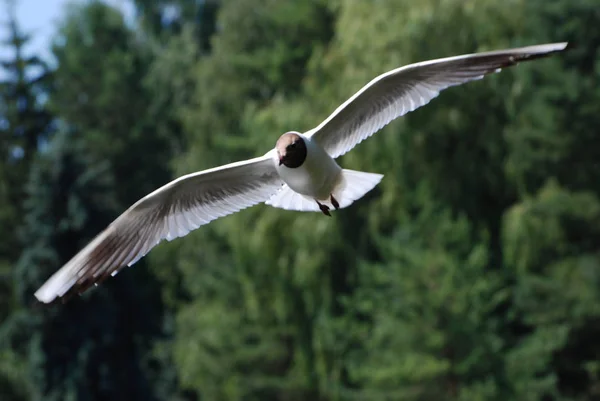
column 470, row 273
column 100, row 347
column 249, row 63
column 163, row 19
column 24, row 124
column 550, row 246
column 430, row 328
column 407, row 295
column 99, row 88
column 13, row 383
column 90, row 348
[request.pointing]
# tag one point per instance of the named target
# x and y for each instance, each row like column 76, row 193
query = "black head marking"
column 291, row 149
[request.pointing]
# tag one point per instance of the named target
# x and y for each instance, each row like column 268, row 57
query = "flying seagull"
column 300, row 173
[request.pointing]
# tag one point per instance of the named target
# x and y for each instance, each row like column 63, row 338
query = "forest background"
column 472, row 272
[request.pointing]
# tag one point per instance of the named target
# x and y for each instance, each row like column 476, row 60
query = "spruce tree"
column 93, row 347
column 25, row 124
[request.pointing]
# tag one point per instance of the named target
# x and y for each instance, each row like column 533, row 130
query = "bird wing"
column 404, row 89
column 169, row 212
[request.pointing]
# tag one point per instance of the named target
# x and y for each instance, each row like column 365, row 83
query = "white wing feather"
column 169, row 212
column 407, row 88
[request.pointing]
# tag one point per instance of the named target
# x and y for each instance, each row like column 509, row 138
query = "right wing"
column 169, row 212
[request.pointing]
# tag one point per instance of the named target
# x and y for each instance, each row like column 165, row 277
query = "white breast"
column 316, row 177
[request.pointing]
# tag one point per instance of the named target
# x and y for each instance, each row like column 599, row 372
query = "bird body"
column 317, row 176
column 313, row 179
column 300, row 173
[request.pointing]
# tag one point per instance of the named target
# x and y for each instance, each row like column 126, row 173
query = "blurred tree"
column 14, row 385
column 261, row 51
column 178, row 34
column 415, row 155
column 330, row 308
column 550, row 243
column 99, row 89
column 470, row 273
column 165, row 18
column 423, row 323
column 92, row 348
column 551, row 234
column 99, row 347
column 172, row 82
column 24, row 124
column 26, row 119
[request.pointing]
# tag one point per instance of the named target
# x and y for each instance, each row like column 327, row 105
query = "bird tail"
column 353, row 186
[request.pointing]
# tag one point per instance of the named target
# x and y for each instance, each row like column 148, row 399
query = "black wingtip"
column 540, row 54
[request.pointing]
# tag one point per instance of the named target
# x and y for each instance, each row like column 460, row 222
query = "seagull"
column 299, row 174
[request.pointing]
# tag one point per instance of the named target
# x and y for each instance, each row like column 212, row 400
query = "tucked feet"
column 334, row 202
column 324, row 208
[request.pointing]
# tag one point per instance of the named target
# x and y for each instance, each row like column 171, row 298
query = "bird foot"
column 324, row 208
column 334, row 202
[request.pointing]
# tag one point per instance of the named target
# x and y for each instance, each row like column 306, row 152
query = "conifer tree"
column 25, row 124
column 91, row 348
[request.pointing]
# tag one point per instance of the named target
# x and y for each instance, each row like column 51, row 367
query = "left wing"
column 402, row 90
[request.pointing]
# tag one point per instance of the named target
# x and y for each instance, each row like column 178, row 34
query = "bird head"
column 291, row 149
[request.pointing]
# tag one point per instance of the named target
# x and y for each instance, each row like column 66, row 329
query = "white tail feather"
column 288, row 199
column 353, row 186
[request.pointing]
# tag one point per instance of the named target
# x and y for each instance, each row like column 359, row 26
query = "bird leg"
column 334, row 202
column 324, row 208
